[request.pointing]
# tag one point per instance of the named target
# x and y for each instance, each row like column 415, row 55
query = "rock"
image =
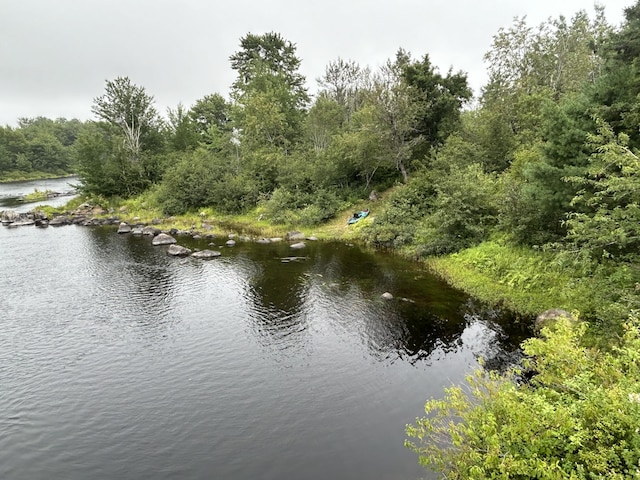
column 136, row 231
column 263, row 241
column 230, row 243
column 232, row 235
column 312, row 239
column 298, row 246
column 373, row 196
column 275, row 239
column 124, row 228
column 387, row 296
column 42, row 223
column 151, row 231
column 9, row 216
column 196, row 236
column 549, row 317
column 295, row 236
column 163, row 239
column 206, row 254
column 178, row 251
column 59, row 221
column 22, row 223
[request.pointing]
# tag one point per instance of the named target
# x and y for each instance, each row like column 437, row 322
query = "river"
column 118, row 361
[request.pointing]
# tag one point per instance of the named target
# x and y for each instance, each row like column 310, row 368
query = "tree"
column 182, row 130
column 346, row 83
column 269, row 92
column 397, row 110
column 210, row 111
column 129, row 108
column 439, row 100
column 606, row 217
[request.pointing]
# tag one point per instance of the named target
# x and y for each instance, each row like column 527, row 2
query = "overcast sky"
column 55, row 55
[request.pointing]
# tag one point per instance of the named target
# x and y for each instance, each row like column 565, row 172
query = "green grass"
column 37, row 196
column 19, row 176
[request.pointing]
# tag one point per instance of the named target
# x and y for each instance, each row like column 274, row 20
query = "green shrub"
column 577, row 418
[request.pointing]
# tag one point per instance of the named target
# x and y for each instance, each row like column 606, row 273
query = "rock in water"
column 124, row 228
column 206, row 254
column 163, row 239
column 178, row 251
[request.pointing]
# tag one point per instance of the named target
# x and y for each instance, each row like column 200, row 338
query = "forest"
column 535, row 184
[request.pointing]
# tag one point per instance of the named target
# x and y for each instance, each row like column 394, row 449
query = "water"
column 118, row 361
column 11, row 193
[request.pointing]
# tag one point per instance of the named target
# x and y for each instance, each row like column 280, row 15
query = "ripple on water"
column 118, row 361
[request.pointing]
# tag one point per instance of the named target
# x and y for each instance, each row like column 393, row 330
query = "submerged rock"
column 206, row 254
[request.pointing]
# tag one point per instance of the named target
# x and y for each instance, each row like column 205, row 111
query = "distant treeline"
column 38, row 145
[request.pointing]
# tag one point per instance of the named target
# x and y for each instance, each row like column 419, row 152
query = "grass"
column 36, row 196
column 20, row 176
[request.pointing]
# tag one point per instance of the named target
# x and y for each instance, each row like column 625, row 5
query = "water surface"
column 118, row 361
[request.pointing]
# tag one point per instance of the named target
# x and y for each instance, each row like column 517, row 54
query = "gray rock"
column 312, row 238
column 124, row 228
column 263, row 241
column 275, row 239
column 230, row 243
column 295, row 236
column 206, row 254
column 9, row 216
column 178, row 251
column 136, row 231
column 151, row 231
column 298, row 246
column 549, row 317
column 163, row 239
column 387, row 296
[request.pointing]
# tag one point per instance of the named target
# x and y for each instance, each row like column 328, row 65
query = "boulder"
column 151, row 231
column 298, row 246
column 206, row 254
column 9, row 216
column 387, row 296
column 549, row 317
column 124, row 228
column 230, row 243
column 178, row 251
column 163, row 239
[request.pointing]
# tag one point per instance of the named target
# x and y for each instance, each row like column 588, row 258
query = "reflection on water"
column 121, row 362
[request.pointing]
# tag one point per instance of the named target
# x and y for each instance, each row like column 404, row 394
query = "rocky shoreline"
column 88, row 215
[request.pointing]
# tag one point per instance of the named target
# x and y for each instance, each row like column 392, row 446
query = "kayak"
column 358, row 216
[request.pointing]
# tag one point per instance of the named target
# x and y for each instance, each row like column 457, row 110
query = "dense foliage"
column 38, row 146
column 576, row 418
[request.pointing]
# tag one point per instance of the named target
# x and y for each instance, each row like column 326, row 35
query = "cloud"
column 56, row 56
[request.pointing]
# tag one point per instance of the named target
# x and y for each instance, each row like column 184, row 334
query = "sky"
column 56, row 55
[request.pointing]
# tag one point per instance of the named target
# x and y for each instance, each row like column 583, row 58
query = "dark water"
column 11, row 193
column 119, row 362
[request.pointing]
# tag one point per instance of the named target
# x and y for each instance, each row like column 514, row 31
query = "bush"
column 577, row 418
